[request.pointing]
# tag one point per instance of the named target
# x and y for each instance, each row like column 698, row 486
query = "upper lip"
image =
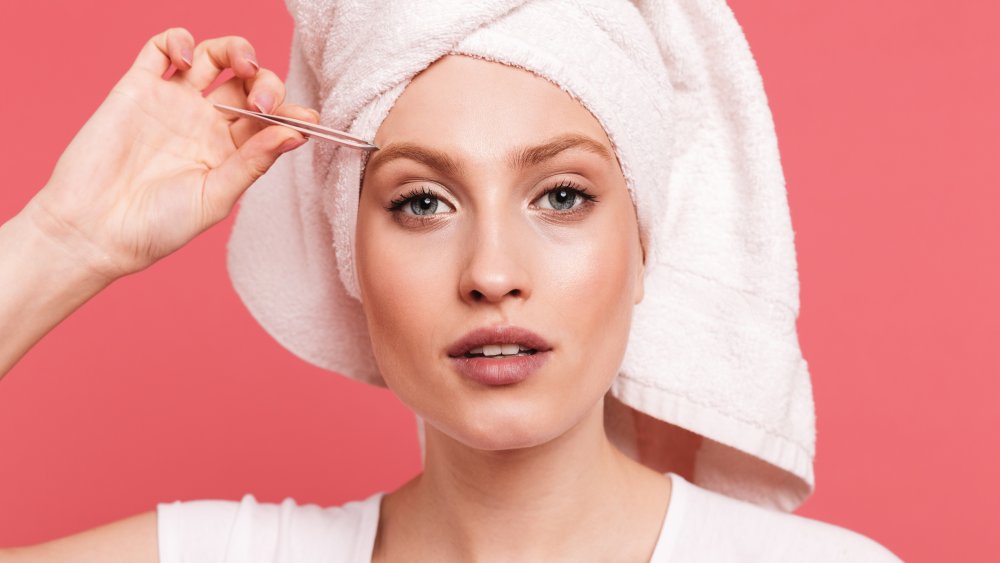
column 498, row 335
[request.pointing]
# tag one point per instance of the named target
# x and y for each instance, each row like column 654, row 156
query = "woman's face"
column 496, row 200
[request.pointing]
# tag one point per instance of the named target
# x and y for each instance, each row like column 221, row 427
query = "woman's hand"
column 157, row 164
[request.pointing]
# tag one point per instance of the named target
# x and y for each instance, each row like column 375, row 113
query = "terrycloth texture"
column 713, row 346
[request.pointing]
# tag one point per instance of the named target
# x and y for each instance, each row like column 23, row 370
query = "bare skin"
column 524, row 473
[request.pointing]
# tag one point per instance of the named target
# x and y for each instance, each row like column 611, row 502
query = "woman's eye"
column 420, row 203
column 562, row 198
column 427, row 205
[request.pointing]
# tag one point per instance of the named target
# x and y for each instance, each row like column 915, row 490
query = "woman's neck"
column 573, row 498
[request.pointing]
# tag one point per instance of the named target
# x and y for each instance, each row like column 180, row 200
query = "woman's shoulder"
column 728, row 528
column 248, row 530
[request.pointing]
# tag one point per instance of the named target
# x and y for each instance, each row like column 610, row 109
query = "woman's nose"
column 495, row 266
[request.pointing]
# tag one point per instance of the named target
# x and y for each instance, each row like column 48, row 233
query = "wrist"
column 42, row 282
column 62, row 246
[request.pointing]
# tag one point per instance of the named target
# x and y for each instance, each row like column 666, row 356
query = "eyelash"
column 396, row 205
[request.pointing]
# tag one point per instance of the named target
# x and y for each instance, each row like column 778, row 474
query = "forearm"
column 42, row 281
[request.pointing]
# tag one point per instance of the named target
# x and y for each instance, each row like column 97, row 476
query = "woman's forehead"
column 464, row 104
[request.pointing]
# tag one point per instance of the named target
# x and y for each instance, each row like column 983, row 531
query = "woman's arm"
column 43, row 281
column 154, row 166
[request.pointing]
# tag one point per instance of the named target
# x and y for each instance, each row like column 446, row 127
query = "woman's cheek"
column 592, row 283
column 413, row 268
column 408, row 288
column 588, row 262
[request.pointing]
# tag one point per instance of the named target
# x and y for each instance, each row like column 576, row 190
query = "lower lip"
column 500, row 370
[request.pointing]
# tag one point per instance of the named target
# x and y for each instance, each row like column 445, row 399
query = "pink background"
column 163, row 387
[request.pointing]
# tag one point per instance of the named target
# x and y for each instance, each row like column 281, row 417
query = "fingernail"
column 264, row 102
column 252, row 60
column 187, row 55
column 291, row 144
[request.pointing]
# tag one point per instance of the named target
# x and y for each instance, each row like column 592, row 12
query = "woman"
column 502, row 242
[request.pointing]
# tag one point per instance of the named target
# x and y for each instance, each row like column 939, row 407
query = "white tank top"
column 700, row 525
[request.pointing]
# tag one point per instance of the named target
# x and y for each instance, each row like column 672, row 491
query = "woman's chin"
column 498, row 432
column 503, row 441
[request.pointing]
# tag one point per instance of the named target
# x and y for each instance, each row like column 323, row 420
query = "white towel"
column 713, row 346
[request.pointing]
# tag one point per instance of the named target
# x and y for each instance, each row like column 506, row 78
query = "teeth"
column 498, row 349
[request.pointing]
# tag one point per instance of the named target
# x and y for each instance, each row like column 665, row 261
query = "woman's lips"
column 499, row 370
column 500, row 334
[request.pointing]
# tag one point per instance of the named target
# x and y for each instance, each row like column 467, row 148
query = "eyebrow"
column 520, row 158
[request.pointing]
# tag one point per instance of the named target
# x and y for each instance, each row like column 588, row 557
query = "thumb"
column 227, row 182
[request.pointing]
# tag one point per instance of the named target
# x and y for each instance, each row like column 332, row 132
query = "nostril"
column 478, row 295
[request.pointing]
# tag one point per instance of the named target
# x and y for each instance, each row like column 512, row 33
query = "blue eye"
column 565, row 196
column 419, row 202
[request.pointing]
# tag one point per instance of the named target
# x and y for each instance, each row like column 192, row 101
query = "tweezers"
column 306, row 128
